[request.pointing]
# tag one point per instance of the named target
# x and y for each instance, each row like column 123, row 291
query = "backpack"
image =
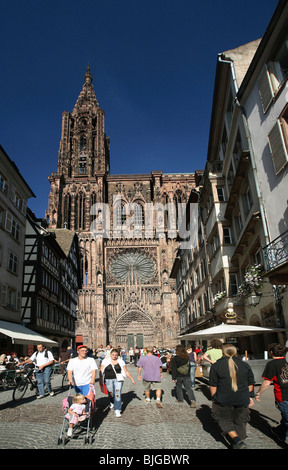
column 45, row 353
column 184, row 370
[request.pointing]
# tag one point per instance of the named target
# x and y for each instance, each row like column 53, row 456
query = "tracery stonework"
column 127, row 297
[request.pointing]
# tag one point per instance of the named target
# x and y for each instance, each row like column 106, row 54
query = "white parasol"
column 227, row 330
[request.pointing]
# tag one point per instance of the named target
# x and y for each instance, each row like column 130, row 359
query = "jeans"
column 186, row 381
column 283, row 428
column 43, row 378
column 114, row 389
column 192, row 372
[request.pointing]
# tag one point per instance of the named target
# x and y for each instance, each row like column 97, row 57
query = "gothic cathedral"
column 127, row 297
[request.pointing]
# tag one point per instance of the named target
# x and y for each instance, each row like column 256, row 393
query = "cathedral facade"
column 127, row 231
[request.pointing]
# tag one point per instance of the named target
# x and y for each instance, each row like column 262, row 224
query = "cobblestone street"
column 36, row 424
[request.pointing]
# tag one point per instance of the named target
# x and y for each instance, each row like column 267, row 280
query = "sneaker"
column 111, row 406
column 118, row 414
column 239, row 445
column 159, row 404
column 193, row 404
column 40, row 396
column 51, row 394
column 69, row 432
column 147, row 400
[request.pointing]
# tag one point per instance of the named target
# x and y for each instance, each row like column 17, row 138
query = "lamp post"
column 253, row 299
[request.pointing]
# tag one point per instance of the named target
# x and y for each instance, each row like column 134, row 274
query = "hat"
column 81, row 346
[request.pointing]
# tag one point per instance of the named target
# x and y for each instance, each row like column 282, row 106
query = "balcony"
column 276, row 260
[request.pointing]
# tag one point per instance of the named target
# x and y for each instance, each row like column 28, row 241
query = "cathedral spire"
column 87, row 98
column 88, row 76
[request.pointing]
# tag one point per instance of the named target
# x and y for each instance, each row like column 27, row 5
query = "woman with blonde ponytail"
column 231, row 384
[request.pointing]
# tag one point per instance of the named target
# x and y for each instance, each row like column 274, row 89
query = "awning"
column 22, row 335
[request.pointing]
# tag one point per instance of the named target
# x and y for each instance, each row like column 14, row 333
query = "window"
column 83, row 143
column 237, row 151
column 273, row 75
column 3, row 184
column 18, row 202
column 12, row 263
column 238, row 221
column 278, row 142
column 221, row 194
column 39, row 308
column 247, row 201
column 227, row 239
column 12, row 226
column 138, row 215
column 233, row 285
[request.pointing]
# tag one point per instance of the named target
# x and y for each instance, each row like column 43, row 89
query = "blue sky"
column 153, row 64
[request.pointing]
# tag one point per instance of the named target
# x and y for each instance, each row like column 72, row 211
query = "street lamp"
column 253, row 299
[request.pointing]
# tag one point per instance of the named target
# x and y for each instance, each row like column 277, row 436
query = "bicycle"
column 7, row 379
column 25, row 378
column 65, row 382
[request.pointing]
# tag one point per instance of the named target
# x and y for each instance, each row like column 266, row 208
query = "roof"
column 64, row 238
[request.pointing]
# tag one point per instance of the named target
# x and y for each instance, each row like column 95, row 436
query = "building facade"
column 263, row 96
column 243, row 196
column 50, row 281
column 126, row 230
column 14, row 193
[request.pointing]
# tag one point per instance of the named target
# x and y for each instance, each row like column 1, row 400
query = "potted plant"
column 249, row 289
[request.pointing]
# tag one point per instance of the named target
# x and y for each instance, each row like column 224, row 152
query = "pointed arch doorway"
column 134, row 328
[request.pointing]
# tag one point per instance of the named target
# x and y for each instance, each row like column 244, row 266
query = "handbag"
column 184, row 370
column 119, row 376
column 103, row 387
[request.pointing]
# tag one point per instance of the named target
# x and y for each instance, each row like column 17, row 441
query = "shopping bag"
column 92, row 397
column 199, row 371
column 102, row 384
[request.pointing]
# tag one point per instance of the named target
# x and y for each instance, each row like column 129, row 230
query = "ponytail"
column 230, row 351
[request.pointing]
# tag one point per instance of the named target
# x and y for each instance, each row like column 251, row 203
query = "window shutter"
column 277, row 147
column 8, row 222
column 265, row 89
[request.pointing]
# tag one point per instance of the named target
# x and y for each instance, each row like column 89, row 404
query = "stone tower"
column 127, row 297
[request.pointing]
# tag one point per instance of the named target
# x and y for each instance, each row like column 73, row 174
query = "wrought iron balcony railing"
column 276, row 252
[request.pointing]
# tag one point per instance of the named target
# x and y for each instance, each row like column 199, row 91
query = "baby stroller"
column 84, row 425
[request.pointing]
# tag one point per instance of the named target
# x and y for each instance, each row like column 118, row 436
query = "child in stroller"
column 76, row 412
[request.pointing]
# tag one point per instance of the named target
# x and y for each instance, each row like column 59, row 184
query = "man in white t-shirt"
column 43, row 360
column 81, row 371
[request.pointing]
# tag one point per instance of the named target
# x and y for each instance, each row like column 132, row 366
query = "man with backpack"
column 43, row 360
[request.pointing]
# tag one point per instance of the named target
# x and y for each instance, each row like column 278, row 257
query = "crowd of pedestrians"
column 231, row 379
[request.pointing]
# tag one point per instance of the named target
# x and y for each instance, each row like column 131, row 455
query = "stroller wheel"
column 91, row 440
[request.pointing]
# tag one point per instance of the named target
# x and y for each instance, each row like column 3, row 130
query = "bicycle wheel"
column 20, row 390
column 65, row 383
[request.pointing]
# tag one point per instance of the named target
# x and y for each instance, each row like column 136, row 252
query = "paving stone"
column 143, row 427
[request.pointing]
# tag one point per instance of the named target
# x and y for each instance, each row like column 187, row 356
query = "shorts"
column 151, row 385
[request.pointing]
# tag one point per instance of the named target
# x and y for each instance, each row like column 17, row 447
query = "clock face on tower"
column 132, row 268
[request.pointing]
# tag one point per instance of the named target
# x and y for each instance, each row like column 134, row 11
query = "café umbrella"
column 227, row 330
